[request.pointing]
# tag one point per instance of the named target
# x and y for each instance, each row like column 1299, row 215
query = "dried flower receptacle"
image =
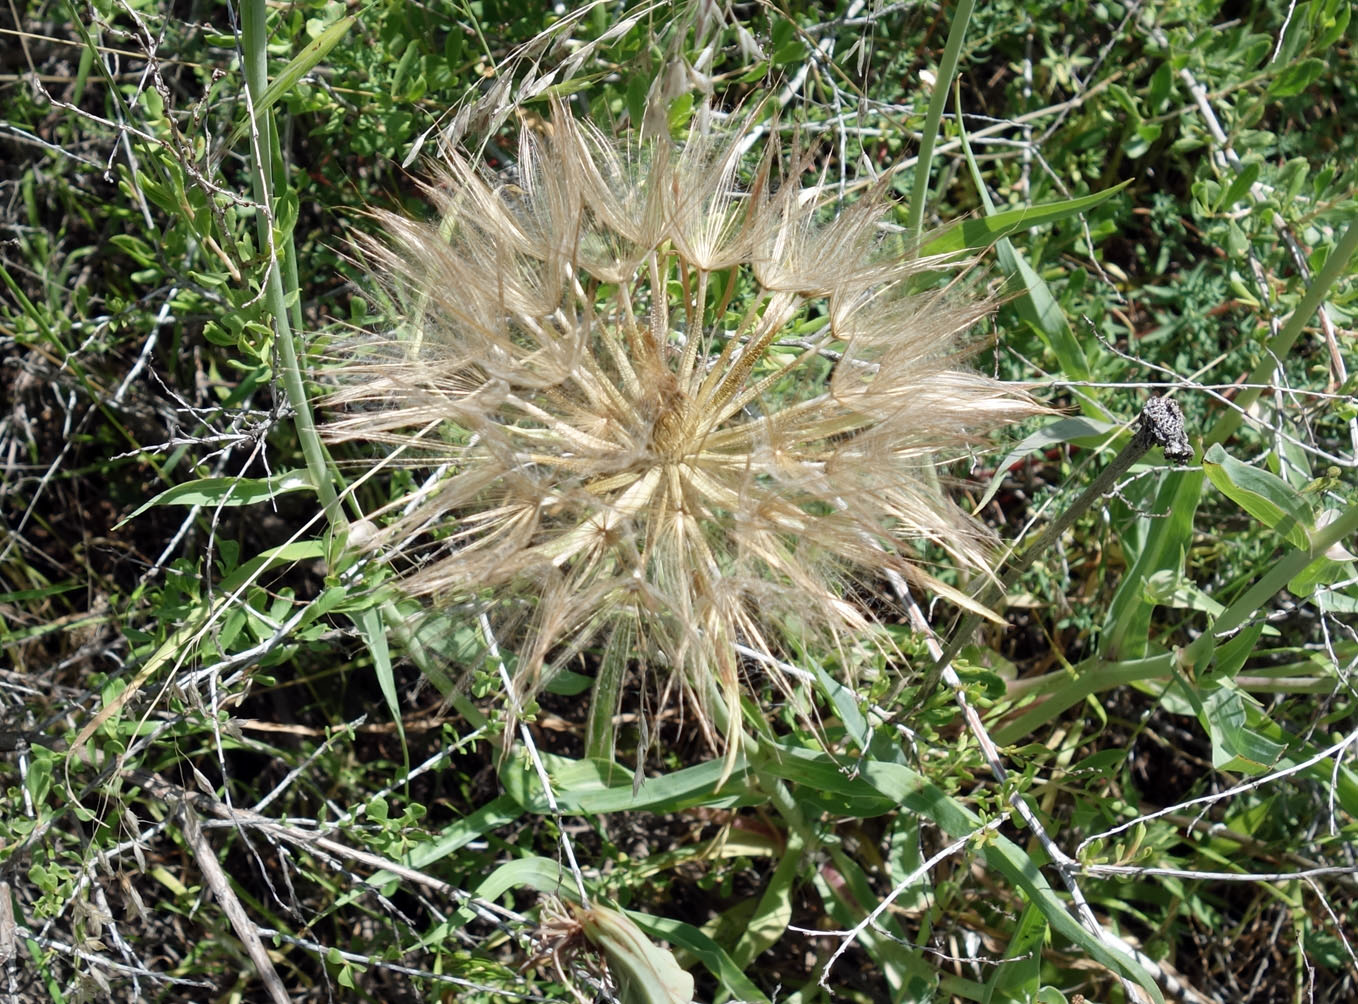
column 679, row 413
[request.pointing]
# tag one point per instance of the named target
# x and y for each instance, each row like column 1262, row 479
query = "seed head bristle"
column 679, row 413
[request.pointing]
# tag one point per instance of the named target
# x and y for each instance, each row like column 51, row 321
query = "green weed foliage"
column 242, row 761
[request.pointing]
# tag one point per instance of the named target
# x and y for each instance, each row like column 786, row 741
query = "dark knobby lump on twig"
column 1162, row 425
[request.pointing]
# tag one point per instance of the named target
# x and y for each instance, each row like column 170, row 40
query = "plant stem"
column 600, row 733
column 264, row 142
column 1159, row 424
column 947, row 68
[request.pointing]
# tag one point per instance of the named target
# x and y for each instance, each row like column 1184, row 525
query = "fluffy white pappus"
column 683, row 405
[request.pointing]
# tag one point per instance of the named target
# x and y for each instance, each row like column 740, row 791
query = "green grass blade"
column 947, row 69
column 370, row 626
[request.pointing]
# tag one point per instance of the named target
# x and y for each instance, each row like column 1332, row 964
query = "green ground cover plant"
column 652, row 502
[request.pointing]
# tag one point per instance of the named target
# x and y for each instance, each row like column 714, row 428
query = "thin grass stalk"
column 933, row 118
column 947, row 67
column 264, row 153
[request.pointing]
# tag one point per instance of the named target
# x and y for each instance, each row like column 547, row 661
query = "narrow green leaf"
column 592, row 786
column 1017, row 977
column 773, row 912
column 370, row 625
column 56, row 589
column 223, row 492
column 1039, row 308
column 1058, row 432
column 1158, row 546
column 1240, row 185
column 1235, row 745
column 979, row 233
column 1041, row 311
column 285, row 554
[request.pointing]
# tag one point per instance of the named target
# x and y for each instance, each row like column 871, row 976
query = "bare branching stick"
column 1336, row 751
column 326, row 952
column 217, row 881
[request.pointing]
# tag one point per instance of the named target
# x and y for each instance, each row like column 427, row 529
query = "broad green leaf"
column 223, row 492
column 729, row 976
column 568, row 683
column 1296, row 77
column 1335, row 564
column 329, row 599
column 644, row 972
column 1265, row 496
column 1338, row 603
column 542, row 874
column 1291, row 567
column 1158, row 546
column 1231, row 654
column 1235, row 745
column 1168, row 588
column 1331, row 777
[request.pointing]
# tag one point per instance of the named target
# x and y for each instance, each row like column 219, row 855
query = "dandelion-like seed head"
column 680, row 403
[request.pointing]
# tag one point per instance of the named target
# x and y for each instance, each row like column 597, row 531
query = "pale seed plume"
column 682, row 404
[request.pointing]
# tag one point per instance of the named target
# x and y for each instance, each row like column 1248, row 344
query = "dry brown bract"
column 625, row 361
